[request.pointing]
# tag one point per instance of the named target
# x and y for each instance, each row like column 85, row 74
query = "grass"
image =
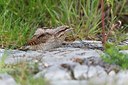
column 19, row 19
column 23, row 72
column 114, row 56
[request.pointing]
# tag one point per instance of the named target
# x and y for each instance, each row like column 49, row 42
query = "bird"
column 46, row 39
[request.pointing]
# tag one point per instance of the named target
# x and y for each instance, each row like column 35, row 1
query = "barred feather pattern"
column 40, row 39
column 48, row 39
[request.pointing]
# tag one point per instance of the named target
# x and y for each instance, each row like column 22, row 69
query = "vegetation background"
column 20, row 18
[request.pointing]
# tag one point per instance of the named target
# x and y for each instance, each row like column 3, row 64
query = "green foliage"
column 91, row 19
column 114, row 56
column 3, row 67
column 18, row 19
column 22, row 72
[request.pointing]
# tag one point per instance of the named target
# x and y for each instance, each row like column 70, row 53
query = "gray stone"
column 69, row 82
column 15, row 56
column 112, row 73
column 93, row 61
column 86, row 44
column 58, row 65
column 63, row 55
column 101, row 73
column 96, row 71
column 81, row 72
column 6, row 79
column 40, row 74
column 55, row 73
column 53, row 56
column 122, row 77
column 92, row 72
column 97, row 81
column 125, row 42
column 124, row 51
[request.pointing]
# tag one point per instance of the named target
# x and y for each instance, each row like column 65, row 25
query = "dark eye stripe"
column 62, row 31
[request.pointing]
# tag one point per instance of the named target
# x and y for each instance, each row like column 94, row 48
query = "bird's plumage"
column 45, row 39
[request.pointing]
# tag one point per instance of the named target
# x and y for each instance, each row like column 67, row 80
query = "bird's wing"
column 38, row 39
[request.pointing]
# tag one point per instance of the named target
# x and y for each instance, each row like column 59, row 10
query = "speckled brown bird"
column 45, row 39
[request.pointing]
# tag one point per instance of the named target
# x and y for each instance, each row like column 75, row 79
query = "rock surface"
column 6, row 79
column 76, row 63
